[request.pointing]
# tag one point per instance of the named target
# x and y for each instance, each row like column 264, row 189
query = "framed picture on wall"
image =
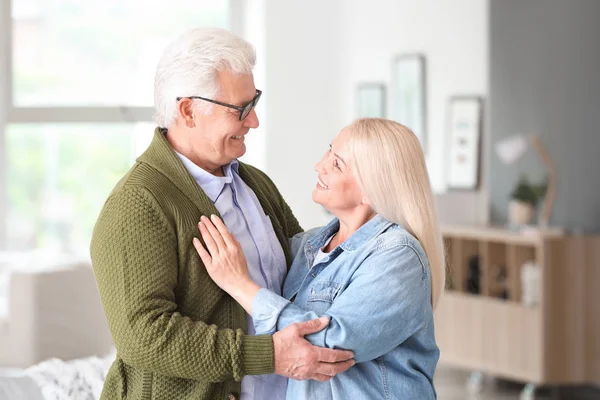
column 464, row 142
column 408, row 94
column 370, row 99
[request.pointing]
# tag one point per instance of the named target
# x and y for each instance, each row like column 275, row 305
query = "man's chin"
column 237, row 153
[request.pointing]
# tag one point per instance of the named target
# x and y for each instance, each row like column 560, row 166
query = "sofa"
column 50, row 309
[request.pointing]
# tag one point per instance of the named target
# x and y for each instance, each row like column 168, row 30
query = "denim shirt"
column 376, row 289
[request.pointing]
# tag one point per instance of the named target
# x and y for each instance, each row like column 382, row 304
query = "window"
column 77, row 87
column 59, row 175
column 74, row 52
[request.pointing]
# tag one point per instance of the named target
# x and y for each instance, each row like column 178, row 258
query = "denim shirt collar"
column 368, row 231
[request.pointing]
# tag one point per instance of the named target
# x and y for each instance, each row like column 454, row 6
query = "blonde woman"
column 376, row 270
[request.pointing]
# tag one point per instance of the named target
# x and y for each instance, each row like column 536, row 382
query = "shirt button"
column 232, row 396
column 313, row 275
column 314, row 291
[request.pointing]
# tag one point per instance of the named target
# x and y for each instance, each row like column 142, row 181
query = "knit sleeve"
column 292, row 225
column 134, row 255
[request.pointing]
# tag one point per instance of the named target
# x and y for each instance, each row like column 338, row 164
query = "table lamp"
column 512, row 148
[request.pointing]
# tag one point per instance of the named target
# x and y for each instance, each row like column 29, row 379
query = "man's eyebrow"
column 244, row 102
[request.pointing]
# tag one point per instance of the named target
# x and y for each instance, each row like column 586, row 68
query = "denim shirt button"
column 314, row 291
column 313, row 275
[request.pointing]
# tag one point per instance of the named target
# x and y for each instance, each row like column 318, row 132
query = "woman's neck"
column 348, row 225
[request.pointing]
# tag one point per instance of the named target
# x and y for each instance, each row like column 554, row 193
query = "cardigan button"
column 232, row 396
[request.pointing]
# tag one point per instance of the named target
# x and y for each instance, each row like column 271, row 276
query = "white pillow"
column 19, row 388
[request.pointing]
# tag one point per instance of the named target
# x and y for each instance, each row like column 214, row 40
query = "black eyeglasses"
column 244, row 110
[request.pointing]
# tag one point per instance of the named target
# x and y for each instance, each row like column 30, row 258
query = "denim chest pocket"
column 321, row 295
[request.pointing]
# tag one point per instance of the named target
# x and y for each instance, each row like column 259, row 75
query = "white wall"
column 5, row 93
column 253, row 29
column 317, row 51
column 302, row 96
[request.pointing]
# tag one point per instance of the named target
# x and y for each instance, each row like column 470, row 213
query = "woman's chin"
column 317, row 196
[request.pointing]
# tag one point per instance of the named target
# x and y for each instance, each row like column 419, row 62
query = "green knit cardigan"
column 177, row 334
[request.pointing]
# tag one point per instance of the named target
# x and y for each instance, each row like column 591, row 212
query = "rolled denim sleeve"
column 386, row 302
column 266, row 308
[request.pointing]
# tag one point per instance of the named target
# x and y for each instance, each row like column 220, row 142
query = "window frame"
column 11, row 114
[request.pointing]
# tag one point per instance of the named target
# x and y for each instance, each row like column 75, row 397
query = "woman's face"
column 337, row 188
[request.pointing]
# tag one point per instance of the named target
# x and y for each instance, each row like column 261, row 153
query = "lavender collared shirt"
column 245, row 219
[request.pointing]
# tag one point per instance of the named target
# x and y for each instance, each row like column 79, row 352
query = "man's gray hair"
column 189, row 66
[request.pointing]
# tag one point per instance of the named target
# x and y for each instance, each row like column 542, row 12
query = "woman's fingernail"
column 213, row 217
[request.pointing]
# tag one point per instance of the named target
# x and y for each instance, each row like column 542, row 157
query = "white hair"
column 189, row 66
column 390, row 168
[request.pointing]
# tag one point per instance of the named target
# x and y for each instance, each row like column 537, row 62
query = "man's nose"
column 251, row 121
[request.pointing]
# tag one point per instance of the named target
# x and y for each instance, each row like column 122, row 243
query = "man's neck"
column 183, row 149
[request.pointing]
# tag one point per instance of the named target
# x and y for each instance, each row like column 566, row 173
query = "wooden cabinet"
column 483, row 323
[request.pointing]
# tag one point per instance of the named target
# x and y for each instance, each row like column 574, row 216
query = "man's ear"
column 185, row 110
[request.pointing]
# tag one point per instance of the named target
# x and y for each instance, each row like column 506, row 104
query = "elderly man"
column 179, row 336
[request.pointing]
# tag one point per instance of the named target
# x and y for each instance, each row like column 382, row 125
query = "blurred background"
column 503, row 94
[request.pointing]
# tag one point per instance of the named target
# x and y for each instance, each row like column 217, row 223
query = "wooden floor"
column 451, row 385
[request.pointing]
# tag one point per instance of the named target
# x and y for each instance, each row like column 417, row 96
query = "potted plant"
column 524, row 200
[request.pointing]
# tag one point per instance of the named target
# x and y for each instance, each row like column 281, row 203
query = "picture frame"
column 465, row 125
column 408, row 92
column 371, row 100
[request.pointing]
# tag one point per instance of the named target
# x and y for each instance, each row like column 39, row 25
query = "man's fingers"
column 208, row 239
column 333, row 356
column 334, row 369
column 210, row 227
column 312, row 326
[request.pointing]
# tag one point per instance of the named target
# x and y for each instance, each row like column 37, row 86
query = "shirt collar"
column 368, row 231
column 211, row 185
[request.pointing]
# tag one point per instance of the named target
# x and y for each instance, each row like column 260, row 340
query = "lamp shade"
column 510, row 149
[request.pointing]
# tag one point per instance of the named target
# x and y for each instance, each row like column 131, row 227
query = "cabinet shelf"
column 485, row 322
column 487, row 266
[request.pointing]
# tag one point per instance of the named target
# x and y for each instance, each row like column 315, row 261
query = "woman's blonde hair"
column 390, row 168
